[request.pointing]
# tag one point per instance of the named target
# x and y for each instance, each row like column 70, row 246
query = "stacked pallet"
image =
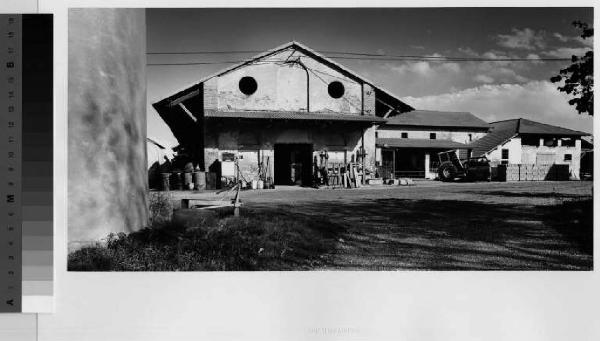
column 537, row 172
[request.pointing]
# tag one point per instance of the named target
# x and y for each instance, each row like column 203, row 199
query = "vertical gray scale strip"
column 4, row 281
column 11, row 238
column 15, row 176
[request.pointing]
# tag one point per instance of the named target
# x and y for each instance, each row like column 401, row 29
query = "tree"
column 579, row 76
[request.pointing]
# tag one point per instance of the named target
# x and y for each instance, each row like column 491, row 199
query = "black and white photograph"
column 330, row 139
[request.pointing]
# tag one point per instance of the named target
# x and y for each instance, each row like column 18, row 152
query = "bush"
column 160, row 207
column 202, row 241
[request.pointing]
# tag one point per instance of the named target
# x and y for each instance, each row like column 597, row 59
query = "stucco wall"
column 107, row 178
column 519, row 154
column 555, row 155
column 255, row 141
column 282, row 87
column 514, row 151
column 441, row 134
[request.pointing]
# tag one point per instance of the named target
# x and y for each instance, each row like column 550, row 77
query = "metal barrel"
column 165, row 183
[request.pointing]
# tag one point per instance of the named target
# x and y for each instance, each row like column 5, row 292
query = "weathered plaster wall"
column 555, row 155
column 441, row 134
column 107, row 123
column 255, row 142
column 514, row 152
column 282, row 87
column 523, row 154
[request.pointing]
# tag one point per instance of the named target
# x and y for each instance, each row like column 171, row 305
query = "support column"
column 427, row 158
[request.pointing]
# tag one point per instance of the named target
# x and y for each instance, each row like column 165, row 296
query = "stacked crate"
column 517, row 172
column 513, row 172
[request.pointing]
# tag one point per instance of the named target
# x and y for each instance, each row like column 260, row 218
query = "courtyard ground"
column 442, row 226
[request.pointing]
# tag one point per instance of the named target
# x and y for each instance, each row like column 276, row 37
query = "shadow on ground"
column 386, row 234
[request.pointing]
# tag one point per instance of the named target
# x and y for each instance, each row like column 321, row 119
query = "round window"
column 335, row 89
column 248, row 85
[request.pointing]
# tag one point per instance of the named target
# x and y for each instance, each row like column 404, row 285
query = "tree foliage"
column 579, row 76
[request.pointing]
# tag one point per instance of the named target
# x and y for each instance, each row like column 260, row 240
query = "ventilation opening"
column 248, row 85
column 335, row 89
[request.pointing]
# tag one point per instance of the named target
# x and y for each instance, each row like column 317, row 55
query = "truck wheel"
column 447, row 171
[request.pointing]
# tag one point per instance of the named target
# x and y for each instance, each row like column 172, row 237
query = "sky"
column 491, row 90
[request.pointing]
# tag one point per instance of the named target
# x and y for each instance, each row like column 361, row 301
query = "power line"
column 364, row 56
column 407, row 59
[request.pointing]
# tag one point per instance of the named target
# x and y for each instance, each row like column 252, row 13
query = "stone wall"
column 107, row 179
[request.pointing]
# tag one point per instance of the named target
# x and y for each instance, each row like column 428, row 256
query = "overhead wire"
column 346, row 55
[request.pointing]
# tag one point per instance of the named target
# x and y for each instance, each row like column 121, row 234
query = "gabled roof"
column 380, row 92
column 438, row 119
column 502, row 131
column 418, row 143
column 532, row 127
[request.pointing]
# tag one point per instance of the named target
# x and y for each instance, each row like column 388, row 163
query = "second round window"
column 335, row 89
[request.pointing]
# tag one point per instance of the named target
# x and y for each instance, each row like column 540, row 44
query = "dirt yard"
column 440, row 226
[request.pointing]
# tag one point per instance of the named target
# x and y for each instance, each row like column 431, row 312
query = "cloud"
column 483, row 79
column 426, row 68
column 526, row 39
column 537, row 100
column 468, row 51
column 562, row 38
column 566, row 52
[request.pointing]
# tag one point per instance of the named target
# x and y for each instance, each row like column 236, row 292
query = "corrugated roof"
column 289, row 115
column 419, row 143
column 438, row 119
column 499, row 133
column 502, row 131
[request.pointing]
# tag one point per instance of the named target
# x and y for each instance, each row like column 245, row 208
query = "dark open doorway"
column 293, row 164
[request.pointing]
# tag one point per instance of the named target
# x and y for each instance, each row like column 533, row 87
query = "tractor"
column 471, row 169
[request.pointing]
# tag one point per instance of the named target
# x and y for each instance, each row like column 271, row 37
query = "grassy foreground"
column 203, row 240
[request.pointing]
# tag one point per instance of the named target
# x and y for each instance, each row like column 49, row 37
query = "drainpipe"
column 297, row 61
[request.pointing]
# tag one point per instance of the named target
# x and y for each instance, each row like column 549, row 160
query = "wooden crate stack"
column 517, row 172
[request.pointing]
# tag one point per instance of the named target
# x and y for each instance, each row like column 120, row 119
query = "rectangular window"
column 470, row 137
column 432, row 136
column 404, row 135
column 504, row 154
column 376, row 134
column 568, row 157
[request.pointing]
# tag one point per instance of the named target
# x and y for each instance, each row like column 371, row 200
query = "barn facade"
column 280, row 115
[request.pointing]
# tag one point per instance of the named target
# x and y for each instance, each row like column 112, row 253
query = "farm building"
column 279, row 114
column 524, row 142
column 407, row 145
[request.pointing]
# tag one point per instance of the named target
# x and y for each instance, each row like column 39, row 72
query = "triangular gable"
column 193, row 90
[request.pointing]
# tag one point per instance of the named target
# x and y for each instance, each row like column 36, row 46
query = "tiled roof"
column 419, row 143
column 288, row 115
column 499, row 133
column 438, row 119
column 532, row 127
column 502, row 131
